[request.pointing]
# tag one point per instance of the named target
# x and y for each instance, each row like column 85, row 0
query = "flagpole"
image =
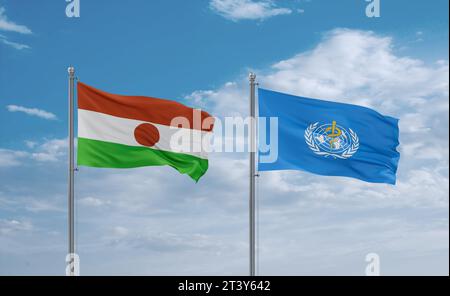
column 252, row 203
column 71, row 200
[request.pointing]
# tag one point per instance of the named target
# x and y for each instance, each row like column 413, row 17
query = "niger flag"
column 116, row 131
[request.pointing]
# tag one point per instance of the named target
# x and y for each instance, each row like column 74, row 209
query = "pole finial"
column 71, row 70
column 252, row 77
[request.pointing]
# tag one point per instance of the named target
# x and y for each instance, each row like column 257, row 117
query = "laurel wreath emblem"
column 315, row 148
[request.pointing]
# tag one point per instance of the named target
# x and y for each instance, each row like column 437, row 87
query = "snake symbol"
column 335, row 133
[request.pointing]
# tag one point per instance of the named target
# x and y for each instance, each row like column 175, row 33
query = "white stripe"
column 103, row 127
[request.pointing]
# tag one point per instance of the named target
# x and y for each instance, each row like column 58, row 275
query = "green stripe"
column 102, row 154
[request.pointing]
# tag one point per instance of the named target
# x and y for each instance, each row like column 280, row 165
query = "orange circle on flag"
column 146, row 134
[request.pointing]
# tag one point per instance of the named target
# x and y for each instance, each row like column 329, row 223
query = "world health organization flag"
column 331, row 139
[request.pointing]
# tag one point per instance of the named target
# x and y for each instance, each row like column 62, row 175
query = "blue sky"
column 199, row 52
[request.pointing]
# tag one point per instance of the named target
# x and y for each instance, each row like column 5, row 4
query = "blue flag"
column 328, row 138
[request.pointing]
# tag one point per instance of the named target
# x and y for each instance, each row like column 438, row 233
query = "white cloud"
column 43, row 205
column 32, row 111
column 90, row 201
column 30, row 144
column 419, row 36
column 119, row 232
column 360, row 67
column 11, row 158
column 15, row 45
column 123, row 237
column 50, row 150
column 236, row 10
column 12, row 226
column 228, row 100
column 8, row 25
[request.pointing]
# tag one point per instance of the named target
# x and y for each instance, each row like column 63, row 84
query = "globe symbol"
column 332, row 138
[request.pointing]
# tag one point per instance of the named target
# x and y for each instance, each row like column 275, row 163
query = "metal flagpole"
column 252, row 207
column 71, row 201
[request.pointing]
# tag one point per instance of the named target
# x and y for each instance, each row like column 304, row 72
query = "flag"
column 331, row 139
column 116, row 131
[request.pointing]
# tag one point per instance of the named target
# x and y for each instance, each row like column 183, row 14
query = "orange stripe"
column 149, row 109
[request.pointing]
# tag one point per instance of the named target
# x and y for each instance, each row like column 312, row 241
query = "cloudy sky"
column 154, row 221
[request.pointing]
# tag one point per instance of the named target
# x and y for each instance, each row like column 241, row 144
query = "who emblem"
column 331, row 140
